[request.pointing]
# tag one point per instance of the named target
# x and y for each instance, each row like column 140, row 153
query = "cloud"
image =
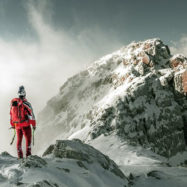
column 43, row 64
column 180, row 46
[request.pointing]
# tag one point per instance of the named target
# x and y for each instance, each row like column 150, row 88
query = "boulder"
column 83, row 153
column 33, row 161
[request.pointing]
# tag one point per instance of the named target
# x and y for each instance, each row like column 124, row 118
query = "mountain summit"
column 137, row 93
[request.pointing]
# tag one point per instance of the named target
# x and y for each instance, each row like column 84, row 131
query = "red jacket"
column 27, row 112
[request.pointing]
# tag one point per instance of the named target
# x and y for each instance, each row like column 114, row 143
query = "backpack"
column 17, row 111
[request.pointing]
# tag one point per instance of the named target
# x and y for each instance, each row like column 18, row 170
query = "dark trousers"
column 26, row 131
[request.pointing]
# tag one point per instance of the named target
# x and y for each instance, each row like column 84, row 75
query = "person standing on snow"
column 21, row 119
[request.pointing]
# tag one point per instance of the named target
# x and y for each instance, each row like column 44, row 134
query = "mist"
column 43, row 64
column 180, row 46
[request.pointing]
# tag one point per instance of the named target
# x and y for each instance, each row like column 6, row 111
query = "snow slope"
column 143, row 167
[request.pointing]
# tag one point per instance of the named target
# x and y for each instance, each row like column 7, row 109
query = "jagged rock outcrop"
column 44, row 183
column 84, row 154
column 138, row 92
column 33, row 162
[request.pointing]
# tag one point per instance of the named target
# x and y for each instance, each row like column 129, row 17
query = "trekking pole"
column 13, row 137
column 32, row 136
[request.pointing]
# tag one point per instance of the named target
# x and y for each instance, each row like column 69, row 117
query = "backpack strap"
column 29, row 108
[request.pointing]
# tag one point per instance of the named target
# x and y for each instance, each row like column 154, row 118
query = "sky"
column 44, row 42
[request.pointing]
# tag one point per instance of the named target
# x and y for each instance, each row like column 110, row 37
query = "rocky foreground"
column 71, row 163
column 66, row 163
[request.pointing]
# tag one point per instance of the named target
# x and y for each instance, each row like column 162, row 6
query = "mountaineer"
column 21, row 119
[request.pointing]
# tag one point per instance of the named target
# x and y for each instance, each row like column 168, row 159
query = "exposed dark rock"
column 44, row 183
column 33, row 161
column 64, row 169
column 5, row 153
column 154, row 174
column 81, row 165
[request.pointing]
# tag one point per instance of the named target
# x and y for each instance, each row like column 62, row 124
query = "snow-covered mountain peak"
column 151, row 52
column 137, row 93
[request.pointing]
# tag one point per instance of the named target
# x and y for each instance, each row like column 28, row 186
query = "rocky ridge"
column 138, row 93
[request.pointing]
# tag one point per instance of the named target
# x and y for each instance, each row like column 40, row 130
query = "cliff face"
column 137, row 93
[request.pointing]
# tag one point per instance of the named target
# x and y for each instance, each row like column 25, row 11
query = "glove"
column 34, row 128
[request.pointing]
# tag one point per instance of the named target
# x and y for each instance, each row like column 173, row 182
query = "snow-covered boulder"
column 84, row 154
column 138, row 93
